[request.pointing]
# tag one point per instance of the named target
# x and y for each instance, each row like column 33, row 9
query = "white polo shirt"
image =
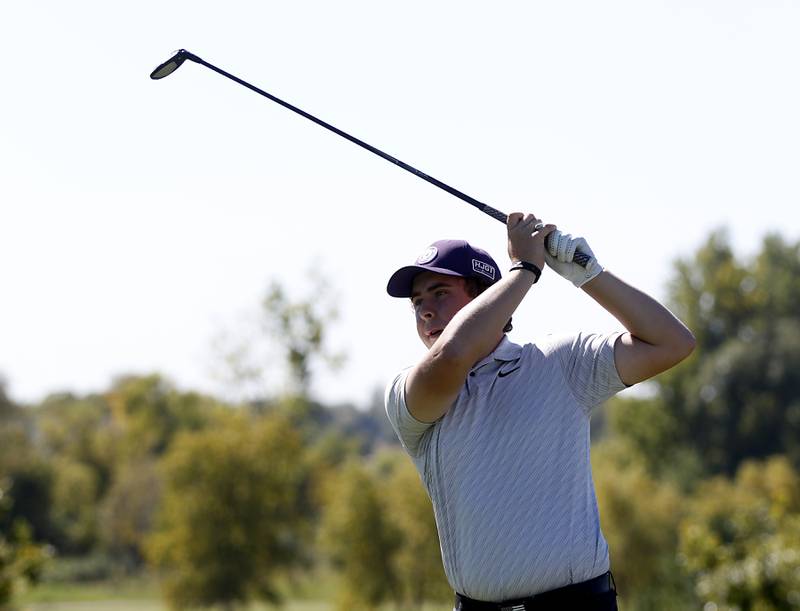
column 507, row 468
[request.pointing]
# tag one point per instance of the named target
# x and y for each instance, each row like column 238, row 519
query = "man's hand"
column 526, row 237
column 561, row 249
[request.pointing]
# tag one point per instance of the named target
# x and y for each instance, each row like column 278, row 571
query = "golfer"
column 499, row 432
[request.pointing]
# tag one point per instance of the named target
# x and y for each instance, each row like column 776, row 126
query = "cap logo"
column 428, row 256
column 483, row 268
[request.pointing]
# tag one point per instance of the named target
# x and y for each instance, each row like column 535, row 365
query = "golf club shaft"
column 500, row 216
column 579, row 257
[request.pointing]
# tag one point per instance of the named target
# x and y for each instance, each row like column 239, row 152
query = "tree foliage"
column 299, row 328
column 98, row 450
column 230, row 519
column 417, row 562
column 148, row 412
column 738, row 395
column 79, row 430
column 26, row 478
column 224, row 500
column 288, row 342
column 640, row 517
column 21, row 560
column 647, row 435
column 127, row 513
column 360, row 539
column 741, row 538
column 73, row 512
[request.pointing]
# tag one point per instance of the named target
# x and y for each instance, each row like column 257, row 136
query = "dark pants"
column 598, row 594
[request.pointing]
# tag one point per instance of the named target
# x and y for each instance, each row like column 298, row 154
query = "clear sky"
column 141, row 219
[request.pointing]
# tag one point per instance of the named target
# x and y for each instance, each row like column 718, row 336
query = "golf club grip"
column 581, row 258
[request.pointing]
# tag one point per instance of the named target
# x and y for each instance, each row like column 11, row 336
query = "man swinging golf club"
column 499, row 432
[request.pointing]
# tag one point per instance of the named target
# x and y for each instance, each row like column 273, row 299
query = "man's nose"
column 426, row 311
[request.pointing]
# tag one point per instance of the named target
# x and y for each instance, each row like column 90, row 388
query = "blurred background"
column 195, row 334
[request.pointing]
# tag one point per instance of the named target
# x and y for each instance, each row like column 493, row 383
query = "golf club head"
column 170, row 66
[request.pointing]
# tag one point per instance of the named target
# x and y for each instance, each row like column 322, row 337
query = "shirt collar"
column 505, row 351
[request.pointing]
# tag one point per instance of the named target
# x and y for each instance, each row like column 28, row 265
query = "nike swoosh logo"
column 504, row 374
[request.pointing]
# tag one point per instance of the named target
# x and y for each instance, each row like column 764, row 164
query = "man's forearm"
column 640, row 314
column 477, row 328
column 655, row 341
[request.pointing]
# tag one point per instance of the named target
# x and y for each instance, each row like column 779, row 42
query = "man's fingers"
column 563, row 245
column 572, row 246
column 552, row 243
column 514, row 219
column 547, row 230
column 520, row 221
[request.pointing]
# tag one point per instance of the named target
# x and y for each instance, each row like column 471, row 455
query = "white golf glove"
column 559, row 252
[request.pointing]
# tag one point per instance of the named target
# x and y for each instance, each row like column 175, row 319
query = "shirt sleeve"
column 587, row 360
column 407, row 428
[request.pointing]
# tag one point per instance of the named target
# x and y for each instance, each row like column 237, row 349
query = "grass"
column 153, row 605
column 129, row 589
column 158, row 605
column 142, row 594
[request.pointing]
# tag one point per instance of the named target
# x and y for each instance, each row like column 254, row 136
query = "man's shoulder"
column 560, row 345
column 402, row 371
column 553, row 342
column 396, row 378
column 538, row 346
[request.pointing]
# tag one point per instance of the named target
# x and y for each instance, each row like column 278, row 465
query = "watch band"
column 528, row 266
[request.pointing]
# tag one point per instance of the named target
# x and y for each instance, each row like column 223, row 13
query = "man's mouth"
column 434, row 334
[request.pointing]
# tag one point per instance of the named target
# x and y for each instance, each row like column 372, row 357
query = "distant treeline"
column 698, row 485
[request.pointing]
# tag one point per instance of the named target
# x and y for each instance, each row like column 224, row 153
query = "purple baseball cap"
column 450, row 257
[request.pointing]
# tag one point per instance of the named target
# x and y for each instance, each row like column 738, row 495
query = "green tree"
column 99, row 450
column 297, row 329
column 360, row 540
column 230, row 519
column 640, row 517
column 8, row 410
column 79, row 430
column 741, row 538
column 76, row 437
column 26, row 478
column 738, row 395
column 127, row 513
column 418, row 560
column 21, row 560
column 148, row 412
column 645, row 433
column 326, row 456
column 73, row 509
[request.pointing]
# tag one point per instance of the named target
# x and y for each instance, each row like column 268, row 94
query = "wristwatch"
column 529, row 266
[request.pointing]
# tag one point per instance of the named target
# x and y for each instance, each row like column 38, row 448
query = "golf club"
column 173, row 63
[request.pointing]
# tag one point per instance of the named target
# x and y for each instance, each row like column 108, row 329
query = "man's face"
column 436, row 298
